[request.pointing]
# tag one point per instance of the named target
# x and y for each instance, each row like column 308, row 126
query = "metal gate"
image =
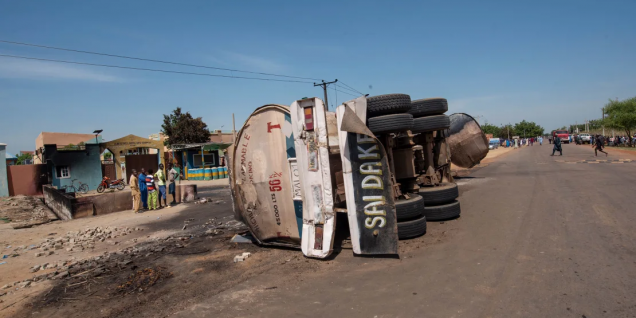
column 141, row 161
column 108, row 170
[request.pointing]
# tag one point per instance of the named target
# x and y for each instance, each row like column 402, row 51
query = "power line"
column 347, row 89
column 154, row 70
column 357, row 91
column 346, row 93
column 151, row 60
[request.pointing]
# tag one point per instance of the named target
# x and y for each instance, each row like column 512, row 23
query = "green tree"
column 621, row 115
column 22, row 158
column 490, row 129
column 528, row 129
column 107, row 155
column 182, row 128
column 505, row 131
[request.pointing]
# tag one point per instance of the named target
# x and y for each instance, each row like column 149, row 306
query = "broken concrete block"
column 35, row 268
column 51, row 252
column 25, row 284
column 59, row 246
column 39, row 254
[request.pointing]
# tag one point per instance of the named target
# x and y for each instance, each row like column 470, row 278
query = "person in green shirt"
column 160, row 176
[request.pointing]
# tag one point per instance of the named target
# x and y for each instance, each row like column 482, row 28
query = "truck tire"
column 388, row 104
column 428, row 106
column 442, row 212
column 409, row 209
column 390, row 123
column 444, row 193
column 412, row 228
column 430, row 123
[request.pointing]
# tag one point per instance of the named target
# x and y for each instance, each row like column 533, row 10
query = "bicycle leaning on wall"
column 82, row 188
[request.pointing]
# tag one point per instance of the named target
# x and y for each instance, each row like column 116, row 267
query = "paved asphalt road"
column 537, row 238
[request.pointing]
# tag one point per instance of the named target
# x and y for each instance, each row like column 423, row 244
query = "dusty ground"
column 24, row 211
column 539, row 236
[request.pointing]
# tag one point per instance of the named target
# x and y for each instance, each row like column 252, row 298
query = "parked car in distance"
column 494, row 143
column 585, row 138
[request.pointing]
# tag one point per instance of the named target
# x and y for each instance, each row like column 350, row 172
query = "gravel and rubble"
column 25, row 211
column 76, row 240
column 77, row 270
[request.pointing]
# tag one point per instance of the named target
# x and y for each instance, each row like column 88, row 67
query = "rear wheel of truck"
column 442, row 212
column 409, row 209
column 390, row 123
column 428, row 106
column 412, row 229
column 444, row 193
column 388, row 104
column 430, row 123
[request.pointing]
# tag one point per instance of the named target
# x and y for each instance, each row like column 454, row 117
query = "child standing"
column 152, row 191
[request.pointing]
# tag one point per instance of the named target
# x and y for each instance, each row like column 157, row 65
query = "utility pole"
column 324, row 88
column 233, row 130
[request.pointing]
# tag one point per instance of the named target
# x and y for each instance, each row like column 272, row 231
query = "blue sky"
column 552, row 62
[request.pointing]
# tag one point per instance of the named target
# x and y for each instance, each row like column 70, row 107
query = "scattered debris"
column 242, row 257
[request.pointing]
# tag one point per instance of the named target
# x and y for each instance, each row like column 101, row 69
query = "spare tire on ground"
column 442, row 212
column 468, row 143
column 428, row 106
column 412, row 228
column 409, row 209
column 435, row 195
column 388, row 104
column 430, row 123
column 390, row 123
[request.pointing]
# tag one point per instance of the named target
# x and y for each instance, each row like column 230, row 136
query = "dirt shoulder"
column 38, row 260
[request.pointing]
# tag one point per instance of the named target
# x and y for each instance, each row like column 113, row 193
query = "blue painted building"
column 81, row 163
column 11, row 159
column 4, row 185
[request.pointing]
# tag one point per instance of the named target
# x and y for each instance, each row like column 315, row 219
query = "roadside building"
column 61, row 139
column 72, row 165
column 11, row 159
column 197, row 158
column 131, row 152
column 219, row 136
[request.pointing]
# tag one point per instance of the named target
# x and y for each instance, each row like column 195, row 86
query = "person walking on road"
column 540, row 141
column 152, row 191
column 161, row 182
column 134, row 188
column 557, row 146
column 142, row 188
column 599, row 147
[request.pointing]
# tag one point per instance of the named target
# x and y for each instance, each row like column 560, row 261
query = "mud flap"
column 309, row 127
column 368, row 189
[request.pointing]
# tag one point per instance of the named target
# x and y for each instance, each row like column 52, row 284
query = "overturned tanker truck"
column 383, row 160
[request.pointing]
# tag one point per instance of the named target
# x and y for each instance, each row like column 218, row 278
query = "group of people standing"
column 516, row 143
column 149, row 189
